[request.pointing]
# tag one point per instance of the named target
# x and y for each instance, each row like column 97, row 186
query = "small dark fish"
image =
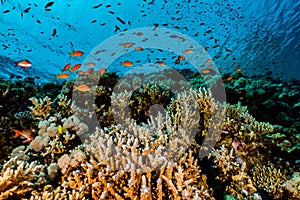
column 209, row 31
column 12, row 76
column 97, row 6
column 103, row 24
column 129, row 23
column 49, row 4
column 201, row 24
column 26, row 10
column 6, row 11
column 71, row 44
column 54, row 32
column 38, row 21
column 21, row 14
column 111, row 12
column 120, row 20
column 116, row 28
column 108, row 6
column 215, row 46
column 93, row 21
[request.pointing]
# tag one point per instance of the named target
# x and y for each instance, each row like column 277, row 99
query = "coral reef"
column 140, row 151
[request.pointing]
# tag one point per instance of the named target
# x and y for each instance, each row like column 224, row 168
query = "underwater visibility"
column 150, row 99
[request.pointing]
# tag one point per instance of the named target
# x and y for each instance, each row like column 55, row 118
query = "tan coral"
column 18, row 177
column 269, row 179
column 292, row 186
column 41, row 108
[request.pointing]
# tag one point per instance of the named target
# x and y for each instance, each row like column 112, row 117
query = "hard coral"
column 269, row 179
column 18, row 177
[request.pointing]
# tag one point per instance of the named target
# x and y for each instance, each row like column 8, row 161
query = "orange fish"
column 127, row 63
column 139, row 34
column 127, row 44
column 238, row 69
column 208, row 60
column 75, row 67
column 27, row 134
column 90, row 70
column 161, row 63
column 66, row 67
column 62, row 76
column 23, row 63
column 101, row 71
column 181, row 57
column 188, row 51
column 139, row 49
column 80, row 72
column 75, row 53
column 205, row 71
column 82, row 88
column 229, row 78
column 90, row 64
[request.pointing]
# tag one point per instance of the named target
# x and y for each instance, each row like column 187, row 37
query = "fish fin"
column 26, row 141
column 71, row 54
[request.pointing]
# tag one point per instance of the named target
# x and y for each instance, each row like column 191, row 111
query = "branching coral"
column 41, row 108
column 269, row 179
column 233, row 170
column 18, row 177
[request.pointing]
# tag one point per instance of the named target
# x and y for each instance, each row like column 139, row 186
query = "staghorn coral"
column 57, row 194
column 41, row 108
column 174, row 180
column 18, row 177
column 233, row 170
column 269, row 179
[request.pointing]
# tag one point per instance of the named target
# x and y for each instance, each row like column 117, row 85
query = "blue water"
column 263, row 35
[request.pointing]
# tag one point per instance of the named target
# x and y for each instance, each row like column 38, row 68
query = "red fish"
column 75, row 53
column 90, row 70
column 80, row 72
column 66, row 67
column 62, row 76
column 128, row 44
column 27, row 134
column 101, row 71
column 23, row 63
column 127, row 63
column 75, row 67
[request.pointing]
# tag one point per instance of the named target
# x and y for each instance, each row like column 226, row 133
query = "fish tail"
column 17, row 133
column 71, row 54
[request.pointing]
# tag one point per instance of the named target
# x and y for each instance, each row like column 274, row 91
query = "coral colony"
column 147, row 156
